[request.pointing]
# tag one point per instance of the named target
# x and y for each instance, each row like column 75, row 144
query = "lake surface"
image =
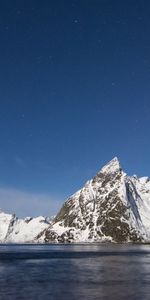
column 70, row 272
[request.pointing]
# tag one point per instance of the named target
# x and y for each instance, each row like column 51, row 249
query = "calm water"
column 70, row 272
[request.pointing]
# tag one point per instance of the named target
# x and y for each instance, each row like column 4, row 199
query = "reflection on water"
column 114, row 277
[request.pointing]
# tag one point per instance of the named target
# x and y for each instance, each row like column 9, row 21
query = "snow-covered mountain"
column 110, row 207
column 14, row 230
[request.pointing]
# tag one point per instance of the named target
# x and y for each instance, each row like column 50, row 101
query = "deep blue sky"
column 74, row 93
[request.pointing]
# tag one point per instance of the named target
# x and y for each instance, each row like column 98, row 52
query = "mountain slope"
column 14, row 230
column 110, row 207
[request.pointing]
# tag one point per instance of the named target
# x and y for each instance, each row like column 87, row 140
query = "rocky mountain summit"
column 110, row 207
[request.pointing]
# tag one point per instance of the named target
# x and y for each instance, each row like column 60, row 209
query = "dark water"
column 70, row 272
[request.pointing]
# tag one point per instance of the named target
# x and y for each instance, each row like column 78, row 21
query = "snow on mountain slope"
column 110, row 207
column 141, row 192
column 14, row 230
column 5, row 220
column 26, row 230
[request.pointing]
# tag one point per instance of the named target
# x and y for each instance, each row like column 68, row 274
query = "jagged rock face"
column 110, row 207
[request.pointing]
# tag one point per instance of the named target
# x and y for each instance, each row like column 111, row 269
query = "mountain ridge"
column 111, row 207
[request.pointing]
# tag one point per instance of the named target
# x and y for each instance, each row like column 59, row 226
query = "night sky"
column 74, row 93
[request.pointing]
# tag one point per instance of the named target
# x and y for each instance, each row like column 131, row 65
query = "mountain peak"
column 112, row 166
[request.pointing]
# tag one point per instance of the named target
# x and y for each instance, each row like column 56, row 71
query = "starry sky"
column 74, row 93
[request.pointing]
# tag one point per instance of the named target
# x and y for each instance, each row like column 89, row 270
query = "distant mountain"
column 110, row 207
column 14, row 230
